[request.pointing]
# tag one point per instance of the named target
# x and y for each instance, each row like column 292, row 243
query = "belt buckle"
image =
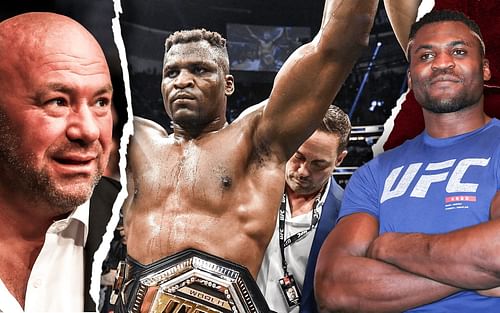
column 196, row 282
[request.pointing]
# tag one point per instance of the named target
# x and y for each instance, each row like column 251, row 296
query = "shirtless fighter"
column 216, row 187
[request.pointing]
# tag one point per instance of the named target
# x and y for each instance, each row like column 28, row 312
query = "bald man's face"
column 55, row 119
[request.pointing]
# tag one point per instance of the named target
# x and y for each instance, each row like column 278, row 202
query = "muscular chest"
column 189, row 173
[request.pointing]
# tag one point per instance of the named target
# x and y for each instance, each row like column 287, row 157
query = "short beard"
column 42, row 188
column 448, row 105
column 37, row 185
column 463, row 99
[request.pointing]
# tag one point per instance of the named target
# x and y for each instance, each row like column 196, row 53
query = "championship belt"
column 190, row 281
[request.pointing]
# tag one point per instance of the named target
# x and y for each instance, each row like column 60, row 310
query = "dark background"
column 146, row 24
column 368, row 95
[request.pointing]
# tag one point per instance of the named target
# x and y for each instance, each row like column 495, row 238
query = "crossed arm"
column 359, row 271
column 311, row 77
column 468, row 258
column 348, row 280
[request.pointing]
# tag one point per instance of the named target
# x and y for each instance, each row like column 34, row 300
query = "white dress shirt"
column 56, row 280
column 296, row 256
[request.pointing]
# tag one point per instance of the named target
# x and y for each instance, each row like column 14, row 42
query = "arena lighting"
column 374, row 104
column 365, row 79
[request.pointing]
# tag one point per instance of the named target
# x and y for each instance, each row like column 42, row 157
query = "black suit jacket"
column 101, row 204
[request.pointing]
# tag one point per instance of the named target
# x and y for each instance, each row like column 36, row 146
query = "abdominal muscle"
column 235, row 233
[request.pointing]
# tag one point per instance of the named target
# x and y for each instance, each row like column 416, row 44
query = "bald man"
column 55, row 138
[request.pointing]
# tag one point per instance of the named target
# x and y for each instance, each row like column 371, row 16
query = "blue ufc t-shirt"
column 432, row 186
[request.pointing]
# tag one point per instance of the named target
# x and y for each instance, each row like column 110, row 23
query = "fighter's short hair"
column 436, row 16
column 195, row 35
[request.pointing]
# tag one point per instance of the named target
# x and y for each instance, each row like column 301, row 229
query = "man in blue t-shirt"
column 418, row 229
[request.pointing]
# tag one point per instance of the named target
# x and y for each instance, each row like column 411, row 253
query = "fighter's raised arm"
column 311, row 77
column 402, row 14
column 215, row 187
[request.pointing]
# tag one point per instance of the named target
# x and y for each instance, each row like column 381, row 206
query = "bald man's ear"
column 229, row 85
column 408, row 75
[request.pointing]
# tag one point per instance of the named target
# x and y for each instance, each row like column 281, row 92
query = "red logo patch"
column 460, row 199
